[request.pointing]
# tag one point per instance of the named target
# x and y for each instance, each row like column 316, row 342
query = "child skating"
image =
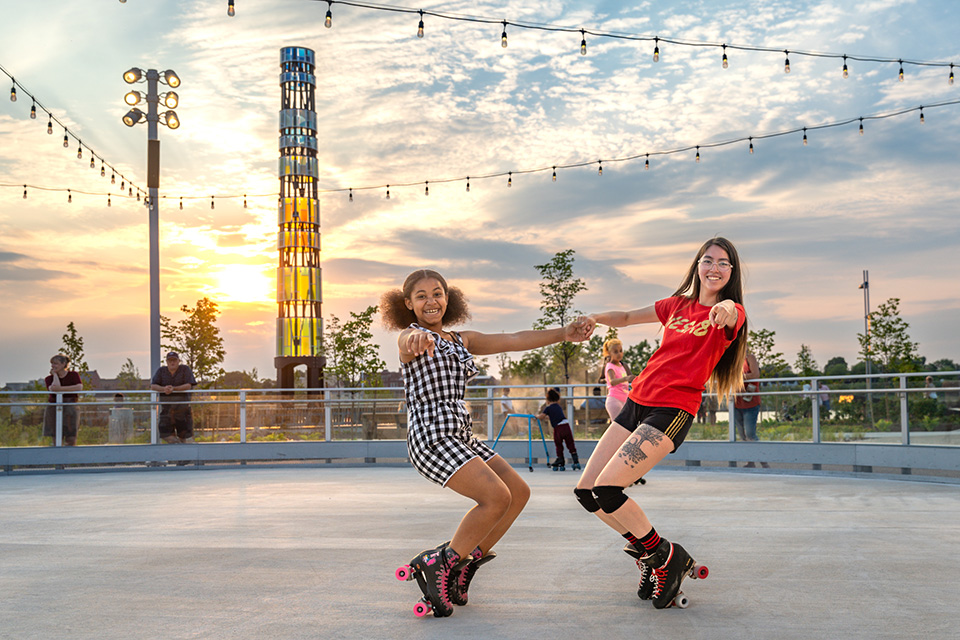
column 562, row 433
column 704, row 340
column 437, row 364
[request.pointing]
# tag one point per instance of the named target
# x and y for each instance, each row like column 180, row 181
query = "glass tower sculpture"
column 299, row 323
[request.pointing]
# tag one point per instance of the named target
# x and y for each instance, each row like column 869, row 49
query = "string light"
column 600, row 170
column 554, row 174
column 426, row 188
column 804, row 136
column 50, row 126
column 211, row 202
column 79, row 150
column 698, row 153
column 656, row 49
column 244, row 201
column 24, row 192
column 328, row 21
column 503, row 36
column 510, row 179
column 351, row 195
column 108, row 200
column 583, row 42
column 950, row 79
column 751, row 145
column 921, row 115
column 388, row 192
column 93, row 165
column 420, row 26
column 103, row 170
column 231, row 10
column 468, row 184
column 33, row 111
column 13, row 91
column 786, row 62
column 846, row 73
column 113, row 177
column 901, row 70
column 726, row 63
column 69, row 196
column 646, row 164
column 66, row 141
column 861, row 126
column 181, row 202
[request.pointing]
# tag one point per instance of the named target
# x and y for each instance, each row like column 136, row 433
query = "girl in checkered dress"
column 437, row 364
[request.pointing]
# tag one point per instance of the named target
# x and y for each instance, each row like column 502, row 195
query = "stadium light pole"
column 153, row 117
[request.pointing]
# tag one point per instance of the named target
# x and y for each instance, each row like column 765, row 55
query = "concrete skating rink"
column 309, row 552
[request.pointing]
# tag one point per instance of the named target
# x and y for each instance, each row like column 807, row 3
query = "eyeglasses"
column 723, row 265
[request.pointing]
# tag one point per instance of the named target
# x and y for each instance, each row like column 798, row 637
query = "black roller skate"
column 559, row 464
column 576, row 462
column 669, row 564
column 432, row 570
column 645, row 588
column 460, row 580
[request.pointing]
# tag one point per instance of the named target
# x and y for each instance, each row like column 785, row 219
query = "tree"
column 836, row 367
column 73, row 349
column 887, row 343
column 196, row 338
column 129, row 376
column 771, row 362
column 805, row 364
column 558, row 288
column 352, row 358
column 636, row 357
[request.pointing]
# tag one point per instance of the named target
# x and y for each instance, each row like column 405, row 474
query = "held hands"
column 723, row 314
column 579, row 330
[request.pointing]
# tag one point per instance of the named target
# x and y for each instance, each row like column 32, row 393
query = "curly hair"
column 395, row 314
column 612, row 342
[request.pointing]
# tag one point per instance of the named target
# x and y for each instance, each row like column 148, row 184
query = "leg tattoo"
column 631, row 450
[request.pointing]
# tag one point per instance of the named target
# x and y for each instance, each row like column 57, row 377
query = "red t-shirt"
column 68, row 380
column 748, row 402
column 676, row 373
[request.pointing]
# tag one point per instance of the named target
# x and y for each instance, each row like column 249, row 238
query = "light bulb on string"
column 328, row 21
column 426, row 188
column 103, row 170
column 846, row 72
column 13, row 91
column 79, row 151
column 66, row 141
column 130, row 193
column 420, row 26
column 211, row 202
column 726, row 63
column 113, row 177
column 786, row 62
column 950, row 79
column 108, row 200
column 583, row 42
column 698, row 153
column 33, row 111
column 921, row 115
column 900, row 75
column 181, row 204
column 244, row 201
column 468, row 184
column 351, row 195
column 600, row 170
column 50, row 126
column 388, row 192
column 510, row 178
column 93, row 165
column 646, row 163
column 503, row 36
column 231, row 10
column 804, row 136
column 656, row 49
column 69, row 196
column 861, row 126
column 751, row 145
column 554, row 174
column 24, row 192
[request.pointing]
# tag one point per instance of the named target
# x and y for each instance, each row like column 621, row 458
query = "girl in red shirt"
column 704, row 342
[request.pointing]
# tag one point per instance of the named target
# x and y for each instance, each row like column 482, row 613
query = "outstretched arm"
column 622, row 318
column 484, row 344
column 413, row 342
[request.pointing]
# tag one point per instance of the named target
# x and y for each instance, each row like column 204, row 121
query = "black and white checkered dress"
column 439, row 437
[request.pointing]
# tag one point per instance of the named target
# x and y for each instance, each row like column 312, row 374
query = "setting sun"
column 244, row 283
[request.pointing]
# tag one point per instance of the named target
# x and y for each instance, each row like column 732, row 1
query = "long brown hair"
column 395, row 314
column 727, row 376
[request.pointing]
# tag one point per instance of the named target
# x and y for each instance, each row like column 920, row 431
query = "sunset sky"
column 395, row 109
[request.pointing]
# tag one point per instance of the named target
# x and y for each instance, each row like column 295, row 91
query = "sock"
column 650, row 541
column 632, row 539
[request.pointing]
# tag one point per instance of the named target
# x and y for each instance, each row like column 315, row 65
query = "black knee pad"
column 585, row 496
column 609, row 498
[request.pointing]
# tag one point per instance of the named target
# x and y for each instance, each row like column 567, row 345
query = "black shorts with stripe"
column 672, row 422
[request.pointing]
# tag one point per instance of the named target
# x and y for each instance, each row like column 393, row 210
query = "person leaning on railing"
column 176, row 418
column 61, row 380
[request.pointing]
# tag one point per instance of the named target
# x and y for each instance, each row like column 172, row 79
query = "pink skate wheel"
column 421, row 609
column 701, row 571
column 403, row 573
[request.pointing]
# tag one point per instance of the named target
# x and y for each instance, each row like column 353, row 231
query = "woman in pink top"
column 616, row 376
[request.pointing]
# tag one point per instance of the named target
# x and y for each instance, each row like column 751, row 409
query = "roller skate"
column 460, row 580
column 670, row 564
column 576, row 462
column 645, row 588
column 559, row 464
column 432, row 570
